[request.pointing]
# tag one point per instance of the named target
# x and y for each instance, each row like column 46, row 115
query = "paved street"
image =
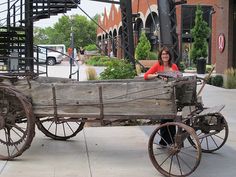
column 117, row 151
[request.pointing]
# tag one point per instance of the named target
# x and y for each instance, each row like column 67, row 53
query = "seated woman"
column 163, row 64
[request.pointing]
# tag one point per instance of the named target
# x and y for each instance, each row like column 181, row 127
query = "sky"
column 90, row 7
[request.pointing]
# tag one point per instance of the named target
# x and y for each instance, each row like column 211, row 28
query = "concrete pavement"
column 118, row 151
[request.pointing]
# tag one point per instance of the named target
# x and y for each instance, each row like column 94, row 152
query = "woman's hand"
column 163, row 78
column 152, row 76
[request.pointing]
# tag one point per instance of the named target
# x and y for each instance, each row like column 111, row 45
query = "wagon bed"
column 101, row 99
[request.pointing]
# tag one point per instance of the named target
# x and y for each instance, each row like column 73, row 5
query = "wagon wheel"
column 17, row 123
column 62, row 129
column 212, row 131
column 176, row 159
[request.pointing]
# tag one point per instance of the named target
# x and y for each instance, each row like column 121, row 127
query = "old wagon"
column 60, row 108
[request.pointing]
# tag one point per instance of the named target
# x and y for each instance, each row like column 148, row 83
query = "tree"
column 200, row 33
column 143, row 48
column 84, row 32
column 39, row 35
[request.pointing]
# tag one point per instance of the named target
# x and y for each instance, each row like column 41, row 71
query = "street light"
column 211, row 12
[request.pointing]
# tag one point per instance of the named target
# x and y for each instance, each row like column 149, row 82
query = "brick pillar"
column 119, row 49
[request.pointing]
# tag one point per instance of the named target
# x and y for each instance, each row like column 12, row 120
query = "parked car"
column 49, row 54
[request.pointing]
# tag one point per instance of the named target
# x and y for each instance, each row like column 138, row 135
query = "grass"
column 230, row 80
column 91, row 73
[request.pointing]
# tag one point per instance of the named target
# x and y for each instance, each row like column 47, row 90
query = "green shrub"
column 208, row 68
column 98, row 61
column 152, row 56
column 192, row 68
column 90, row 47
column 200, row 32
column 91, row 73
column 143, row 48
column 230, row 82
column 118, row 69
column 217, row 80
column 209, row 80
column 182, row 66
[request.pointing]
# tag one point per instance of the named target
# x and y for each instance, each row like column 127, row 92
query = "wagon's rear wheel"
column 17, row 123
column 212, row 131
column 62, row 129
column 176, row 159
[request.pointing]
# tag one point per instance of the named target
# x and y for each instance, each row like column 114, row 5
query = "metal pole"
column 71, row 46
column 29, row 52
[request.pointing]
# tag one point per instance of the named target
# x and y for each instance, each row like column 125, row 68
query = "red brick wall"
column 220, row 24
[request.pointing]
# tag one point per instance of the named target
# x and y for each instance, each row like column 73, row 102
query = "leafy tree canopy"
column 84, row 32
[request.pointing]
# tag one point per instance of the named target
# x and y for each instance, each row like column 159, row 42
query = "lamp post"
column 72, row 56
column 211, row 12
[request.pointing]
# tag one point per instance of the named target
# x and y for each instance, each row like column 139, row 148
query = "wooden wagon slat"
column 117, row 98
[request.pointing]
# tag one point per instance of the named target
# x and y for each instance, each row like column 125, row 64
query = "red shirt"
column 159, row 68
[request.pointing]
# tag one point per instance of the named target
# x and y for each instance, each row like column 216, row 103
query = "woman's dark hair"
column 167, row 50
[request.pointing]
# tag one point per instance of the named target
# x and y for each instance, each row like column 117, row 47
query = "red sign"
column 221, row 43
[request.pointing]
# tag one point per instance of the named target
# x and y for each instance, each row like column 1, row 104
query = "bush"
column 230, row 82
column 90, row 47
column 208, row 68
column 143, row 48
column 182, row 66
column 91, row 73
column 209, row 80
column 98, row 61
column 152, row 56
column 200, row 32
column 217, row 80
column 118, row 69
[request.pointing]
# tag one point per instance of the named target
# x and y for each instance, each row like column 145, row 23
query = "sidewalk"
column 63, row 70
column 118, row 151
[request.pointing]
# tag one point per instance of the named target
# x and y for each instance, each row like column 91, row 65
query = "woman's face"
column 165, row 56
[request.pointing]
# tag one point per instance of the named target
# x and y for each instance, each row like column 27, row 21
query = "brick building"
column 219, row 14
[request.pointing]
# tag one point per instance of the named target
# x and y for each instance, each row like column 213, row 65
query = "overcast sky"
column 90, row 7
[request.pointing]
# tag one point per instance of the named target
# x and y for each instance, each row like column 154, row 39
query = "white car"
column 43, row 55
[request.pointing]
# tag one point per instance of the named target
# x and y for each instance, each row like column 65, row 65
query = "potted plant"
column 199, row 33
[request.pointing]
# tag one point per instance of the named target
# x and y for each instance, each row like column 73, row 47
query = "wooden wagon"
column 60, row 108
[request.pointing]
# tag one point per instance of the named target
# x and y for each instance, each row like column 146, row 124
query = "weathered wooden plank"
column 125, row 98
column 130, row 108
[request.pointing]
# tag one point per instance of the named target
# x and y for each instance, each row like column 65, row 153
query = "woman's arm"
column 152, row 72
column 175, row 67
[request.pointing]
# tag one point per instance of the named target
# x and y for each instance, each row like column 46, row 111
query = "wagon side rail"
column 104, row 99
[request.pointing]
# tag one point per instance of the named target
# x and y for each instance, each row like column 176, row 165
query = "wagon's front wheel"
column 62, row 128
column 212, row 131
column 17, row 123
column 176, row 158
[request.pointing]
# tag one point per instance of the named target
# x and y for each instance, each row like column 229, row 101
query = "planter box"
column 147, row 63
